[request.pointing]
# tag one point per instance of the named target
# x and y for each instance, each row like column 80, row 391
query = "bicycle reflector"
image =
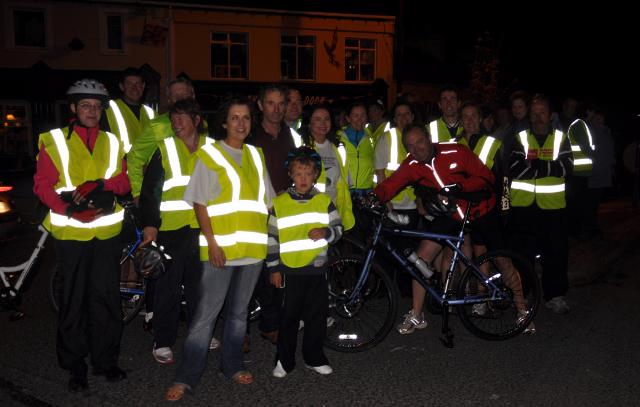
column 149, row 261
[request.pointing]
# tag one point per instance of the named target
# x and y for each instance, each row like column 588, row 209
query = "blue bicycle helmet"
column 304, row 153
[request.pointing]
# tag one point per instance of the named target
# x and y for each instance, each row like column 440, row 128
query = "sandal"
column 242, row 377
column 176, row 392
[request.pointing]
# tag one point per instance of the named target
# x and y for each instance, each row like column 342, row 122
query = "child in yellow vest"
column 302, row 224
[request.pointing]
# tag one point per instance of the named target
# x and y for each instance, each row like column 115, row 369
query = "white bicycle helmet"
column 88, row 89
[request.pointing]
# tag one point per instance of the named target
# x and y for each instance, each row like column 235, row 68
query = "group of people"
column 250, row 202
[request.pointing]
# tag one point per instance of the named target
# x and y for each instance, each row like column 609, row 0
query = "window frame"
column 104, row 32
column 359, row 49
column 229, row 43
column 297, row 47
column 9, row 24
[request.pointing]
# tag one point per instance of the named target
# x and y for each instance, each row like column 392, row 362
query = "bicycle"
column 13, row 278
column 363, row 300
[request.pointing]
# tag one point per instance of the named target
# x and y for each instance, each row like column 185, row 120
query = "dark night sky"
column 587, row 51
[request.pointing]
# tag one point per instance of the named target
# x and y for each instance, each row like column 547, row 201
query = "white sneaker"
column 215, row 344
column 330, row 321
column 163, row 355
column 323, row 370
column 279, row 371
column 301, row 325
column 479, row 309
column 558, row 305
column 411, row 322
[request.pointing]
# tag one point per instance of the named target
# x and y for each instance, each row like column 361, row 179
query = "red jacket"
column 452, row 164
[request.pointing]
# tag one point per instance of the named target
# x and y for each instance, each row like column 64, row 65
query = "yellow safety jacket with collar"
column 440, row 132
column 547, row 192
column 360, row 159
column 397, row 154
column 76, row 165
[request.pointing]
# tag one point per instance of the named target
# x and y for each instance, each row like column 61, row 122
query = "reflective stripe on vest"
column 582, row 164
column 297, row 138
column 433, row 129
column 177, row 179
column 486, row 149
column 236, row 237
column 107, row 220
column 393, row 163
column 150, row 113
column 309, row 217
column 122, row 127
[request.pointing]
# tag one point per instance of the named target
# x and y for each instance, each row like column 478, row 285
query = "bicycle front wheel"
column 506, row 310
column 361, row 325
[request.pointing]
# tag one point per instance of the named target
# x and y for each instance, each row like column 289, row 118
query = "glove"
column 88, row 188
column 86, row 216
column 450, row 190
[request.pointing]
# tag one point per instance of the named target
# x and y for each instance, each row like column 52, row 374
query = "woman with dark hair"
column 230, row 191
column 170, row 222
column 317, row 132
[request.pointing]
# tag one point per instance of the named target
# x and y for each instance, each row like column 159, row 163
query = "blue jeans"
column 234, row 284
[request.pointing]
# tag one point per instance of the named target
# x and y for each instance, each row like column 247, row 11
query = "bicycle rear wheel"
column 132, row 291
column 362, row 325
column 507, row 312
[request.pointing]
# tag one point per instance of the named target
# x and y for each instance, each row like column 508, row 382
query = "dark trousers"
column 89, row 320
column 184, row 269
column 305, row 298
column 534, row 231
column 270, row 300
column 578, row 204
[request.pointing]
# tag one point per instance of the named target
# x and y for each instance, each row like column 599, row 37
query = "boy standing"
column 302, row 225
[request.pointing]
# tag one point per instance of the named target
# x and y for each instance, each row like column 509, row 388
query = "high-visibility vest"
column 295, row 220
column 440, row 132
column 379, row 131
column 486, row 149
column 296, row 125
column 397, row 154
column 125, row 124
column 343, row 197
column 547, row 192
column 239, row 214
column 579, row 135
column 178, row 164
column 360, row 159
column 76, row 165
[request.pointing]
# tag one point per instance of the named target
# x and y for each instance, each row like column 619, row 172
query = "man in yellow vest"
column 540, row 162
column 128, row 116
column 157, row 130
column 80, row 170
column 171, row 222
column 448, row 125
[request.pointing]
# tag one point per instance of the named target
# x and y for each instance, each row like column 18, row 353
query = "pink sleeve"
column 119, row 184
column 44, row 182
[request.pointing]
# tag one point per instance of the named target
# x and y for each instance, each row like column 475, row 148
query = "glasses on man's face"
column 90, row 106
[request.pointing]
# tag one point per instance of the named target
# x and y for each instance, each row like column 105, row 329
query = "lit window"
column 229, row 55
column 297, row 57
column 359, row 59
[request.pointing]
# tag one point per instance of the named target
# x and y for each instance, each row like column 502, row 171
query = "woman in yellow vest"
column 79, row 166
column 230, row 191
column 302, row 225
column 318, row 133
column 171, row 222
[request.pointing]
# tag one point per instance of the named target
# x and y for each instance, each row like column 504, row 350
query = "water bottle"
column 419, row 263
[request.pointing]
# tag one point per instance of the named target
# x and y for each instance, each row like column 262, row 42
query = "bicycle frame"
column 444, row 297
